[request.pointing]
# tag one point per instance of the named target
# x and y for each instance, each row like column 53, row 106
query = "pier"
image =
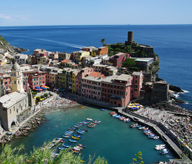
column 157, row 129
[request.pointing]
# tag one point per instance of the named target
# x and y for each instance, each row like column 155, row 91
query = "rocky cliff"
column 4, row 45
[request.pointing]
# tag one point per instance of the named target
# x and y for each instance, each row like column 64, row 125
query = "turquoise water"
column 112, row 138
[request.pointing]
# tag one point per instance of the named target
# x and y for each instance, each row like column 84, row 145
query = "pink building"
column 119, row 58
column 117, row 89
column 84, row 72
column 91, row 87
column 7, row 82
column 35, row 78
column 137, row 84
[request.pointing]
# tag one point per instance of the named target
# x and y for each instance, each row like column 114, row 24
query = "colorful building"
column 102, row 50
column 117, row 89
column 137, row 84
column 119, row 58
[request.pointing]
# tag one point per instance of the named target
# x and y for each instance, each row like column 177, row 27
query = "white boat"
column 156, row 137
column 160, row 147
column 90, row 119
column 164, row 151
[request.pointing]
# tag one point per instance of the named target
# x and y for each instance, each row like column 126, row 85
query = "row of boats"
column 122, row 118
column 148, row 132
column 74, row 134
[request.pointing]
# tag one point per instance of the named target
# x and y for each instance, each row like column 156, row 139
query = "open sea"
column 112, row 139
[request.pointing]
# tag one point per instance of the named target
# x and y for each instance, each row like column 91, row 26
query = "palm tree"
column 103, row 41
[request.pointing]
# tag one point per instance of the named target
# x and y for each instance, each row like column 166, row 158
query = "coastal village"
column 117, row 77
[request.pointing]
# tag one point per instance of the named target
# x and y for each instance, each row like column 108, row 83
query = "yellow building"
column 62, row 78
column 43, row 60
column 74, row 75
column 80, row 54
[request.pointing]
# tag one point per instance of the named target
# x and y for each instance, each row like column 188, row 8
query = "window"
column 10, row 111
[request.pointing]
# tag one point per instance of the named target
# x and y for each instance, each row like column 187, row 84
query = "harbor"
column 112, row 138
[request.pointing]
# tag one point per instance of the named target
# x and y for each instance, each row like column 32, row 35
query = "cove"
column 112, row 138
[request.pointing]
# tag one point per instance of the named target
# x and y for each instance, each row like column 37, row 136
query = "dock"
column 162, row 134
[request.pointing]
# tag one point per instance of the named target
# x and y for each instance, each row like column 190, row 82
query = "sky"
column 94, row 12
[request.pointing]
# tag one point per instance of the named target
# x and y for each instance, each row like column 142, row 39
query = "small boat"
column 77, row 135
column 66, row 136
column 81, row 145
column 81, row 132
column 134, row 125
column 103, row 109
column 83, row 107
column 164, row 151
column 156, row 137
column 65, row 145
column 114, row 115
column 62, row 148
column 74, row 151
column 160, row 147
column 151, row 135
column 75, row 138
column 71, row 140
column 90, row 119
column 127, row 120
column 96, row 121
column 91, row 125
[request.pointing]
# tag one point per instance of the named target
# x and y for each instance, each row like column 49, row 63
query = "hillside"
column 7, row 47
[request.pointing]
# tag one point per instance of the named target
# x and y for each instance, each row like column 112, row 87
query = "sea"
column 112, row 139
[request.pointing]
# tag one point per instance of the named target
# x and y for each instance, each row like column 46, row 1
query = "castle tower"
column 130, row 37
column 16, row 78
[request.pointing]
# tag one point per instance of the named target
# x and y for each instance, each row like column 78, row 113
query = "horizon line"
column 96, row 25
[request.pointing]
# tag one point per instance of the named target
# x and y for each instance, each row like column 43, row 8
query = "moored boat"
column 164, row 151
column 65, row 145
column 82, row 145
column 71, row 140
column 75, row 138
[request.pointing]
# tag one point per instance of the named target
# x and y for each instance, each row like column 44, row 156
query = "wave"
column 176, row 95
column 62, row 43
column 185, row 91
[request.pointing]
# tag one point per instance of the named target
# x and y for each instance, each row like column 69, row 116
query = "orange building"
column 102, row 50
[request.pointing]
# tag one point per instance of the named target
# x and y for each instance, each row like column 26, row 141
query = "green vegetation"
column 3, row 43
column 154, row 67
column 50, row 94
column 118, row 47
column 130, row 65
column 38, row 98
column 46, row 94
column 42, row 96
column 141, row 53
column 138, row 159
column 42, row 155
column 103, row 41
column 34, row 93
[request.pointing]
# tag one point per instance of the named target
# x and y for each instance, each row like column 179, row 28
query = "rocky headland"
column 6, row 47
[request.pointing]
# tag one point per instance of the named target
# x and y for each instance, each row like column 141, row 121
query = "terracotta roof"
column 97, row 74
column 65, row 61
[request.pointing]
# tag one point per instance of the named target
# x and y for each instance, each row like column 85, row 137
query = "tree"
column 42, row 155
column 46, row 94
column 129, row 63
column 103, row 41
column 138, row 159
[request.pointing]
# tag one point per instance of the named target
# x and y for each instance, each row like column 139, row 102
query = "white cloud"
column 4, row 16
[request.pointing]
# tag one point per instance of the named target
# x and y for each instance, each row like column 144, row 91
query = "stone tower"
column 16, row 78
column 129, row 38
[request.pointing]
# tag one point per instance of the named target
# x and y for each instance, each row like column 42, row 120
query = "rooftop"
column 12, row 98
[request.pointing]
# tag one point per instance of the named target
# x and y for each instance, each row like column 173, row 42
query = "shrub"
column 46, row 95
column 42, row 96
column 34, row 93
column 38, row 98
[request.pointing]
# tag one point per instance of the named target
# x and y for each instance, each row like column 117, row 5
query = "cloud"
column 2, row 16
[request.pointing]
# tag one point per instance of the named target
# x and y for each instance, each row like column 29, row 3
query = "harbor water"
column 112, row 138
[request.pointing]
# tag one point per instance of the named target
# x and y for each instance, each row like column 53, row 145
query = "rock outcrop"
column 175, row 88
column 4, row 45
